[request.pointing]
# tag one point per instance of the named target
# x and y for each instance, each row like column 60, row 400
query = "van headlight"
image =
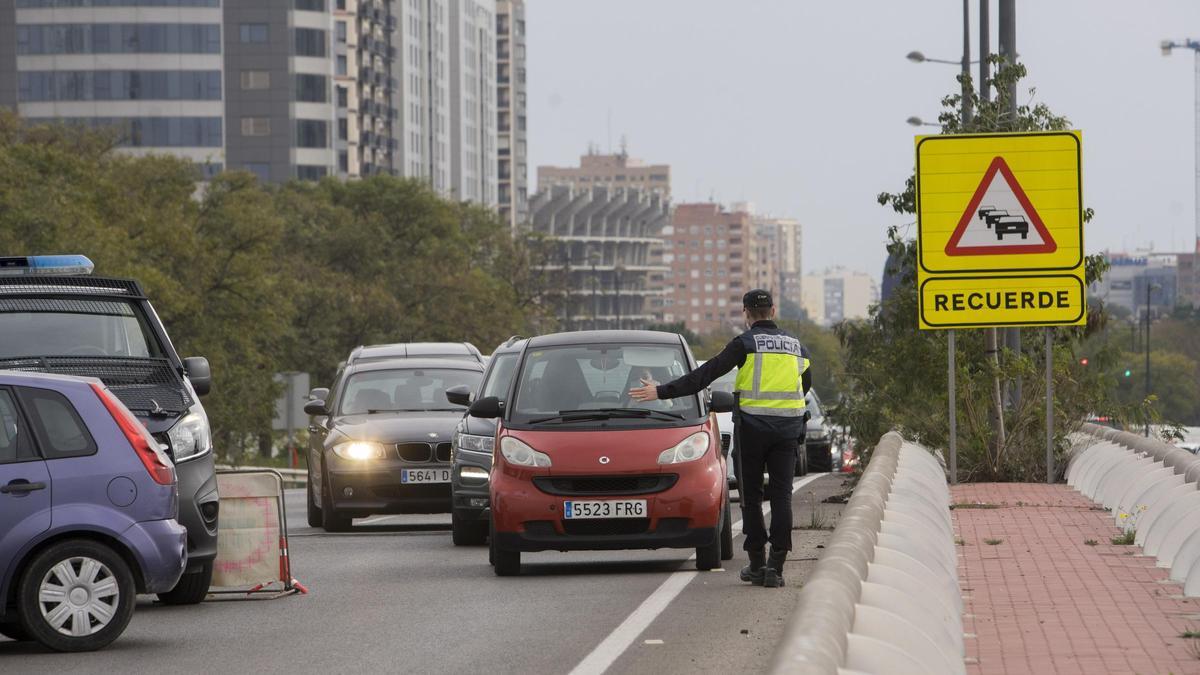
column 190, row 437
column 689, row 449
column 474, row 443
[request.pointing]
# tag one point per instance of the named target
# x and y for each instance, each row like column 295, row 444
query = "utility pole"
column 967, row 113
column 1194, row 45
column 1150, row 286
column 985, row 48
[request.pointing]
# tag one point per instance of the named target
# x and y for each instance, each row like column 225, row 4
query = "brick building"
column 709, row 251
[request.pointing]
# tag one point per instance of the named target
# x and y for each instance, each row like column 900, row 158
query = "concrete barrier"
column 1151, row 487
column 884, row 597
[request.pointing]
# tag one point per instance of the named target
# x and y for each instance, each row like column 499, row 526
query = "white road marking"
column 607, row 652
column 374, row 520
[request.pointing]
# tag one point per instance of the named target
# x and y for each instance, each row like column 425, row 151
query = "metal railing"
column 292, row 478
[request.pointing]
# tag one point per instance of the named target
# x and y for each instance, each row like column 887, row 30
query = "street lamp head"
column 1166, row 45
column 915, row 121
column 915, row 57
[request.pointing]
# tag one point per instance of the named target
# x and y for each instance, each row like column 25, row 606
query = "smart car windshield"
column 403, row 390
column 587, row 383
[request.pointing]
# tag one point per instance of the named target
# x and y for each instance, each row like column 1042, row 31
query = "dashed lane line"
column 607, row 652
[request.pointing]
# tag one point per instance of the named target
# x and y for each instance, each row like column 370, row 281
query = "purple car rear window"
column 61, row 432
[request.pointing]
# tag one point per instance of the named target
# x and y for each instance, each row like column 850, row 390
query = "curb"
column 884, row 597
column 1151, row 488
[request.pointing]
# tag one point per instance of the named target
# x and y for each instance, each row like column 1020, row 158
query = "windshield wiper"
column 605, row 414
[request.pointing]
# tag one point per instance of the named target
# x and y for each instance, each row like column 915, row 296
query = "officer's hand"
column 647, row 392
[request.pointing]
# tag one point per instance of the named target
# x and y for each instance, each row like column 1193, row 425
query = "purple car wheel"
column 76, row 596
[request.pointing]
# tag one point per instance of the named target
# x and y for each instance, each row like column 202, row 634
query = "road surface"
column 396, row 595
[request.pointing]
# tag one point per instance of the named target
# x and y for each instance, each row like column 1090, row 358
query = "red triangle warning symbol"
column 999, row 219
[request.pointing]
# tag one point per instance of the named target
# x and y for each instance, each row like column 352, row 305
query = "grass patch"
column 960, row 541
column 974, row 505
column 1125, row 538
column 1193, row 634
column 993, row 542
column 1089, row 542
column 818, row 519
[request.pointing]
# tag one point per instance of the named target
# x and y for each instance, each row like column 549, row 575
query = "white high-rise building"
column 473, row 100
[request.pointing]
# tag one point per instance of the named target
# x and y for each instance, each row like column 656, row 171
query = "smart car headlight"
column 520, row 454
column 190, row 437
column 359, row 450
column 689, row 449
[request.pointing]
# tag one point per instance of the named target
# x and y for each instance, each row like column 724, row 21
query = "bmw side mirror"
column 315, row 408
column 318, row 394
column 488, row 407
column 721, row 401
column 459, row 394
column 198, row 373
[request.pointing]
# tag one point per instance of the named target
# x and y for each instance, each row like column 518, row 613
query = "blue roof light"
column 46, row 265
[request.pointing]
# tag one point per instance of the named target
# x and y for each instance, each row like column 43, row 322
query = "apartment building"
column 611, row 171
column 709, row 251
column 243, row 85
column 606, row 236
column 282, row 88
column 511, row 134
column 838, row 294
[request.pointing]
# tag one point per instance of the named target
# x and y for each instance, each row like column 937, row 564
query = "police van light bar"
column 45, row 265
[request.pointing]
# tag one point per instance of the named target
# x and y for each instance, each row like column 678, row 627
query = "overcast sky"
column 799, row 106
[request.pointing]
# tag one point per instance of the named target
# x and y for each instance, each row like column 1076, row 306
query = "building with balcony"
column 239, row 84
column 708, row 251
column 511, row 138
column 605, row 238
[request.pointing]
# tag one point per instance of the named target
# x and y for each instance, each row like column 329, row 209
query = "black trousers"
column 759, row 450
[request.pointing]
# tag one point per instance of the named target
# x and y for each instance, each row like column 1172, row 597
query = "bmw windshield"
column 589, row 385
column 404, row 390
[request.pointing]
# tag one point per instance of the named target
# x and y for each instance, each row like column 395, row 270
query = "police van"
column 56, row 317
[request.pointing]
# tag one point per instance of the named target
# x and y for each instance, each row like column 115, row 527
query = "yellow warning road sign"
column 1000, row 230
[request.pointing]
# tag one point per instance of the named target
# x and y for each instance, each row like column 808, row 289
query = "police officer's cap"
column 757, row 299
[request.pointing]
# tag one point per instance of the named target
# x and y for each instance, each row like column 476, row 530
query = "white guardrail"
column 1151, row 489
column 292, row 478
column 884, row 597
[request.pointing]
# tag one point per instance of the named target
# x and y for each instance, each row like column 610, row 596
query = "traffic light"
column 1083, row 361
column 1128, row 373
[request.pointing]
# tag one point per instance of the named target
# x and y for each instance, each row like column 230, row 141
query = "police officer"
column 773, row 377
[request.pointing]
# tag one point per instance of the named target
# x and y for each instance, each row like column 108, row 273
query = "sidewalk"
column 1041, row 600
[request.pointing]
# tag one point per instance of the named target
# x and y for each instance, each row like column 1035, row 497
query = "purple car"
column 88, row 503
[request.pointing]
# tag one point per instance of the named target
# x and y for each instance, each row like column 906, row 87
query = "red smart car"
column 578, row 465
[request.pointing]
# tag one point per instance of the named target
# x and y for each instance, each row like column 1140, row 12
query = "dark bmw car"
column 473, row 440
column 380, row 444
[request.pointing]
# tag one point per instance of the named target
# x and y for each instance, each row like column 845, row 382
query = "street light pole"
column 1194, row 45
column 1149, row 287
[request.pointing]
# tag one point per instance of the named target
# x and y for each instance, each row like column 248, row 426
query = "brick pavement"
column 1043, row 601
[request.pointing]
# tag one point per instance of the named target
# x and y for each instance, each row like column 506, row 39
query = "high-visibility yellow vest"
column 769, row 380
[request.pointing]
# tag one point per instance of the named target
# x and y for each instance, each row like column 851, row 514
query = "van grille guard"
column 144, row 385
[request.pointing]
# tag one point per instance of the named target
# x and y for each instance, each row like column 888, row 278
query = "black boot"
column 753, row 572
column 773, row 572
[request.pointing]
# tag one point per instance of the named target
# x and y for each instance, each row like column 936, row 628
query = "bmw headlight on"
column 359, row 450
column 190, row 437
